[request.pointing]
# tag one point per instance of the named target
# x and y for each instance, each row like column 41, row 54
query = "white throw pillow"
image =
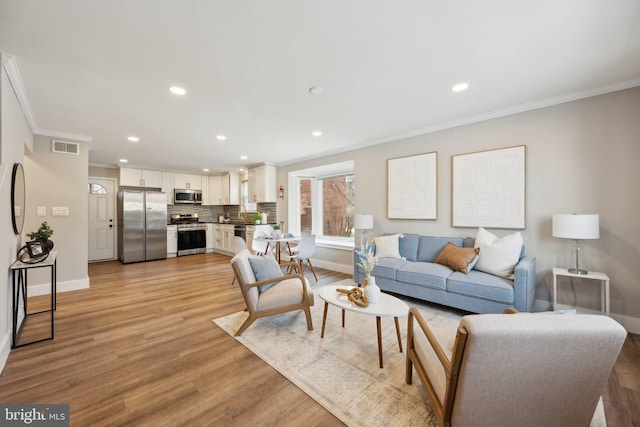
column 498, row 256
column 388, row 246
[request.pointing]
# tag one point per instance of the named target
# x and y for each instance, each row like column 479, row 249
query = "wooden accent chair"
column 515, row 369
column 290, row 292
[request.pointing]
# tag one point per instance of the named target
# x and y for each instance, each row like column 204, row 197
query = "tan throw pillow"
column 457, row 258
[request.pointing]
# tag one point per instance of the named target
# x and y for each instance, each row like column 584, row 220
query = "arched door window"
column 97, row 189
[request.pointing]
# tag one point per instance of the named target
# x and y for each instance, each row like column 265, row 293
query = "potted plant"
column 257, row 219
column 42, row 234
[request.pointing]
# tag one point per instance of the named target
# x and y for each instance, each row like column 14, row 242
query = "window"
column 321, row 202
column 97, row 189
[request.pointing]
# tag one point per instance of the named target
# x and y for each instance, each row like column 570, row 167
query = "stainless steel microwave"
column 192, row 197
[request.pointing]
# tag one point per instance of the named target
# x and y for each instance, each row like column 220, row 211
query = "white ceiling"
column 101, row 69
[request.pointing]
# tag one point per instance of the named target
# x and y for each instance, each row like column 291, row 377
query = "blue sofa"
column 416, row 275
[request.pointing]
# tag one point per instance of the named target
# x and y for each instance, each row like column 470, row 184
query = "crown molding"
column 11, row 68
column 521, row 108
column 15, row 78
column 63, row 135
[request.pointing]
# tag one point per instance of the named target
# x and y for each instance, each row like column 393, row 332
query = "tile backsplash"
column 211, row 213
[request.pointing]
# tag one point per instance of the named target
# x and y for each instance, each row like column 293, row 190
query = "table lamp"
column 576, row 227
column 363, row 222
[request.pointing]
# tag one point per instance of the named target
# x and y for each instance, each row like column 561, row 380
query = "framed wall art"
column 489, row 189
column 412, row 184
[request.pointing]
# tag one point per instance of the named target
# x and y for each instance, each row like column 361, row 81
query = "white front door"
column 102, row 221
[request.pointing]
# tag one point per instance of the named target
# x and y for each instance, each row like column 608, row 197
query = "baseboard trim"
column 5, row 349
column 631, row 324
column 333, row 266
column 70, row 285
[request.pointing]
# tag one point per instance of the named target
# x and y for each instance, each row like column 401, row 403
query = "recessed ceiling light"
column 244, row 157
column 177, row 90
column 133, row 139
column 123, row 160
column 205, row 170
column 460, row 87
column 241, row 170
column 316, row 90
column 221, row 137
column 316, row 133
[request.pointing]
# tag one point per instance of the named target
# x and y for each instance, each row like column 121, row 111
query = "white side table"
column 594, row 275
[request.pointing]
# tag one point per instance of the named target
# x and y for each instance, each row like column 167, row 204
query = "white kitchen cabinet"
column 217, row 238
column 224, row 238
column 205, row 191
column 167, row 186
column 230, row 189
column 262, row 184
column 187, row 182
column 140, row 178
column 211, row 237
column 172, row 240
column 215, row 197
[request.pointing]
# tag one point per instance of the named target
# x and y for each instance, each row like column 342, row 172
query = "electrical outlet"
column 42, row 211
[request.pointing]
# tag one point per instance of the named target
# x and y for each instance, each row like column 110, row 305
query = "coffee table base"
column 378, row 327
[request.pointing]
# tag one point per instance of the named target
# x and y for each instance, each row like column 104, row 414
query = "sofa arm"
column 524, row 284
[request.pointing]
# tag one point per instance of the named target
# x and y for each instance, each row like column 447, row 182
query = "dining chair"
column 260, row 247
column 303, row 252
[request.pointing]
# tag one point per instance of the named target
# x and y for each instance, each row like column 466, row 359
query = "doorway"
column 102, row 221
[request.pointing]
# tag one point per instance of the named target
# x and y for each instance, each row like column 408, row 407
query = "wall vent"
column 65, row 147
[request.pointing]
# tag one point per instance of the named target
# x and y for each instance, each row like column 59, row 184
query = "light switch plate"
column 42, row 211
column 60, row 211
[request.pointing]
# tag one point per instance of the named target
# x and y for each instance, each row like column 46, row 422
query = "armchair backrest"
column 530, row 369
column 244, row 274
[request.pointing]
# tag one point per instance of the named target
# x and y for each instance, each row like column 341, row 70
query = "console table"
column 19, row 272
column 593, row 275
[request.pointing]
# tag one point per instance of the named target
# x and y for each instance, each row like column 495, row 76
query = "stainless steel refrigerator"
column 142, row 226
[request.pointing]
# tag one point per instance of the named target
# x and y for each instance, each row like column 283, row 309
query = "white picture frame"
column 412, row 187
column 488, row 189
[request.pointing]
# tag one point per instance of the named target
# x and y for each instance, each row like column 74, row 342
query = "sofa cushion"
column 409, row 246
column 424, row 274
column 387, row 267
column 388, row 246
column 498, row 256
column 429, row 247
column 481, row 285
column 457, row 258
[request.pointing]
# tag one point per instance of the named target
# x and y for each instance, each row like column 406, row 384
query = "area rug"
column 341, row 371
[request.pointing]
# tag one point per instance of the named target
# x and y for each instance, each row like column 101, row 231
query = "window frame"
column 316, row 175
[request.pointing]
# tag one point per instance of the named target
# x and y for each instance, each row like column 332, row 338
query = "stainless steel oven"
column 192, row 235
column 192, row 239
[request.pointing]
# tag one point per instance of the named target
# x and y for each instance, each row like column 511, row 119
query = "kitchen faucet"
column 243, row 217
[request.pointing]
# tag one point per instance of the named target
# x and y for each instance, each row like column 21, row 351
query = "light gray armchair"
column 515, row 369
column 290, row 292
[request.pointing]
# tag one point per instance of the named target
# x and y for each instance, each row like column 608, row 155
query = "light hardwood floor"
column 139, row 348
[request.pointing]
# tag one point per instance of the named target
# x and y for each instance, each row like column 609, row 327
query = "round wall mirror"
column 17, row 197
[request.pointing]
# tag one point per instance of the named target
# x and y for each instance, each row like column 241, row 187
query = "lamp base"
column 577, row 271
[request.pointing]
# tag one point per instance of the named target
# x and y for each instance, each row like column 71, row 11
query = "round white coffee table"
column 388, row 306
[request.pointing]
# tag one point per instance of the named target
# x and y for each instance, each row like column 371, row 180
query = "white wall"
column 15, row 136
column 59, row 180
column 582, row 157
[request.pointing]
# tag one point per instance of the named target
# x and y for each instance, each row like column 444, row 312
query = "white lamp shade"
column 364, row 221
column 576, row 226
